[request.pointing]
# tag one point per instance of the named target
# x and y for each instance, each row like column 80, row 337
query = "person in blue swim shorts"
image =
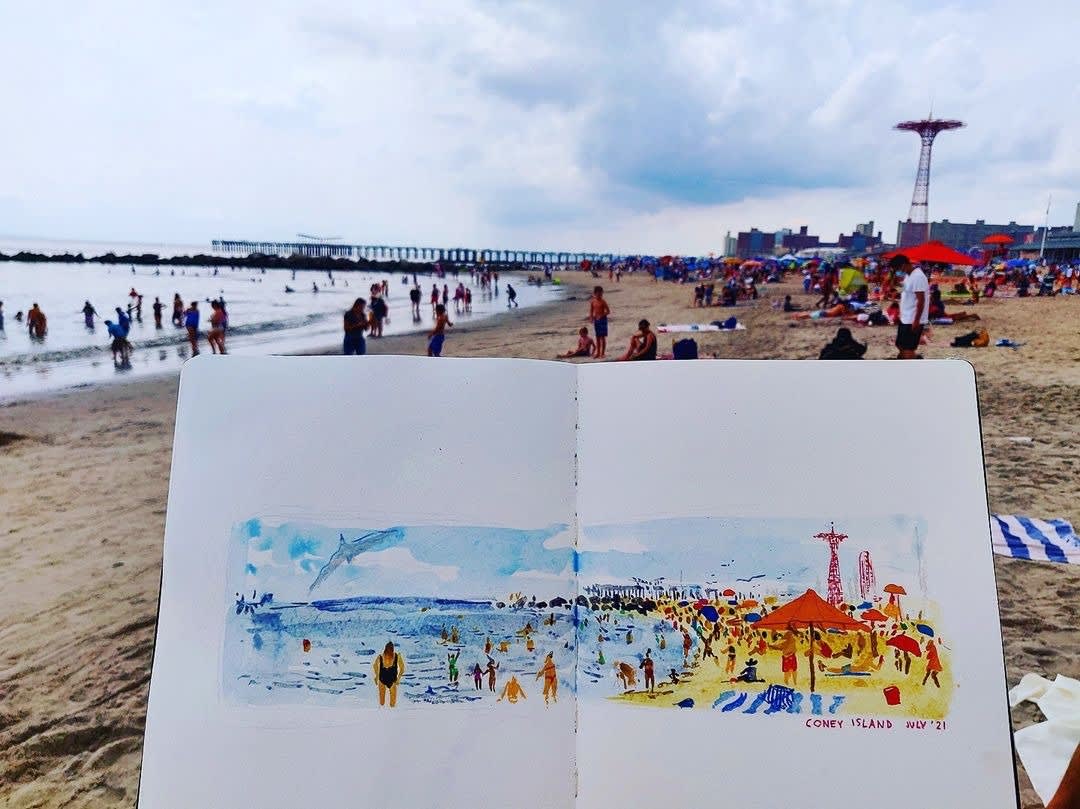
column 438, row 334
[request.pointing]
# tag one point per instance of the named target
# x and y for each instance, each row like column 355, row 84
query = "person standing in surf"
column 551, row 679
column 451, row 660
column 389, row 669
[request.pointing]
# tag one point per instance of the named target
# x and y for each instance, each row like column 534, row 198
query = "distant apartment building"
column 958, row 235
column 757, row 242
column 754, row 242
column 794, row 242
column 731, row 245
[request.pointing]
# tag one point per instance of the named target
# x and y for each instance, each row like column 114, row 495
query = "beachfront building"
column 1062, row 244
column 731, row 245
column 803, row 240
column 958, row 235
column 754, row 242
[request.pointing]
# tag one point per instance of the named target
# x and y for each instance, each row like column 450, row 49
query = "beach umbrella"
column 728, row 593
column 748, row 604
column 873, row 616
column 896, row 590
column 865, row 605
column 810, row 611
column 850, row 279
column 905, row 643
column 771, row 599
column 709, row 613
column 751, row 617
column 998, row 238
column 925, row 629
column 934, row 252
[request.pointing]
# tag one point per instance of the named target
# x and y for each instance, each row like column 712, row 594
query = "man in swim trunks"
column 914, row 307
column 598, row 314
column 551, row 680
column 191, row 323
column 438, row 334
column 642, row 345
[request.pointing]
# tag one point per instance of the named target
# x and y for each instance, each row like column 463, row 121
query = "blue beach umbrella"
column 752, row 617
column 709, row 613
column 925, row 629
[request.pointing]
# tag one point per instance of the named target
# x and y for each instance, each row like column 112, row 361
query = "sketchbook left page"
column 367, row 586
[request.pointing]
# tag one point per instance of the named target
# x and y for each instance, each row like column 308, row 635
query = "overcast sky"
column 625, row 126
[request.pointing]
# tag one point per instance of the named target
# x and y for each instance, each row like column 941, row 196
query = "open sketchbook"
column 403, row 582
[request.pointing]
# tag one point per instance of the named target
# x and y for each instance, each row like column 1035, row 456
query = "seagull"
column 758, row 576
column 347, row 551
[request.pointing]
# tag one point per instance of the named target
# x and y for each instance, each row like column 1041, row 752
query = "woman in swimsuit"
column 389, row 669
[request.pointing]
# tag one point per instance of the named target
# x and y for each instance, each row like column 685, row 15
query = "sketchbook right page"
column 728, row 512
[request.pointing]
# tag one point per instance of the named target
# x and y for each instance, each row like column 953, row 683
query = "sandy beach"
column 84, row 477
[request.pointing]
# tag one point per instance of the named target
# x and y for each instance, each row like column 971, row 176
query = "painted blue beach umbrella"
column 709, row 613
column 865, row 605
column 925, row 629
column 752, row 617
column 733, row 603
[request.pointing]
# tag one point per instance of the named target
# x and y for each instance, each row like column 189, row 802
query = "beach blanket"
column 670, row 328
column 1045, row 748
column 1030, row 538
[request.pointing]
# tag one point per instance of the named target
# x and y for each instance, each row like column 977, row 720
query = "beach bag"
column 965, row 340
column 685, row 349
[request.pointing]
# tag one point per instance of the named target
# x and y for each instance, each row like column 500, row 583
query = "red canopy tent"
column 807, row 612
column 934, row 253
column 998, row 238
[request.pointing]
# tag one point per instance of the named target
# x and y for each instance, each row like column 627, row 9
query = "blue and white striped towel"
column 1029, row 538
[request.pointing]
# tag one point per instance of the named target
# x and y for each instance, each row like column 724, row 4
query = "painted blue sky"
column 703, row 549
column 636, row 126
column 439, row 561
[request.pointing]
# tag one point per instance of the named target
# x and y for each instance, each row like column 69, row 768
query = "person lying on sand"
column 585, row 346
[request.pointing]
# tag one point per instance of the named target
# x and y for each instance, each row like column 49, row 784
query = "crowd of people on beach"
column 389, row 668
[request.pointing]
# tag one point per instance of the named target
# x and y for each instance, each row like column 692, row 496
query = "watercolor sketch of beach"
column 398, row 616
column 764, row 617
column 759, row 617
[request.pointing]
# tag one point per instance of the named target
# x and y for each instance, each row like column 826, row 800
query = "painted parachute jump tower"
column 834, row 592
column 867, row 582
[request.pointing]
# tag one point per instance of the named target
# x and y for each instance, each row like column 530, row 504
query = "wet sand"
column 84, row 477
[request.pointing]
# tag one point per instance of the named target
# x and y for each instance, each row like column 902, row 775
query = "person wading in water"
column 389, row 669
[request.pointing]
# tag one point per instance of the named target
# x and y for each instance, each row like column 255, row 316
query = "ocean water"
column 264, row 661
column 263, row 318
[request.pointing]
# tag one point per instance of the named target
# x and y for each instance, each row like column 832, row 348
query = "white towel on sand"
column 1045, row 748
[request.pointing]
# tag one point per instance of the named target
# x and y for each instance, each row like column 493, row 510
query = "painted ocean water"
column 268, row 662
column 263, row 318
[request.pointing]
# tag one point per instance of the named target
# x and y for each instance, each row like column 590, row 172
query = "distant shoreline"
column 256, row 261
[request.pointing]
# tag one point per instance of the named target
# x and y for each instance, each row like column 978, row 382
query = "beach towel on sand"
column 1030, row 538
column 671, row 328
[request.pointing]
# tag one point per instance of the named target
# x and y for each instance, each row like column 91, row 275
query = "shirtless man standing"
column 598, row 314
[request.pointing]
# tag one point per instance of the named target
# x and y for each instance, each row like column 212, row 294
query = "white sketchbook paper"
column 405, row 582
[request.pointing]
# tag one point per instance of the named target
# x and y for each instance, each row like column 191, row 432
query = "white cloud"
column 401, row 560
column 542, row 126
column 561, row 540
column 623, row 544
column 567, row 574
